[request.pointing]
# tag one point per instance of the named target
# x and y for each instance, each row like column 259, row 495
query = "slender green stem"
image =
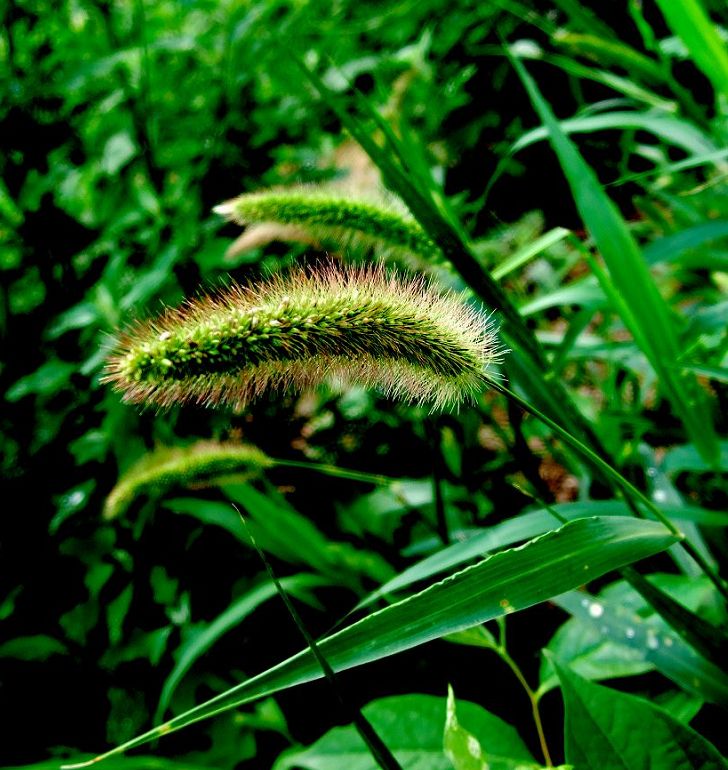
column 336, row 472
column 502, row 631
column 502, row 652
column 379, row 750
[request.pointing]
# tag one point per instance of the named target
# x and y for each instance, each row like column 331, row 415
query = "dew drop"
column 596, row 610
column 76, row 498
column 474, row 746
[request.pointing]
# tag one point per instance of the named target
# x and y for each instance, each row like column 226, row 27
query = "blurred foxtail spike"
column 168, row 467
column 331, row 215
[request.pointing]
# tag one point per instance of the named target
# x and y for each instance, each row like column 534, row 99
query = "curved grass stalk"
column 330, row 215
column 167, row 467
column 355, row 324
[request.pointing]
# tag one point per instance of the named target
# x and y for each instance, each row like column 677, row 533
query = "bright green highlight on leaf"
column 466, row 751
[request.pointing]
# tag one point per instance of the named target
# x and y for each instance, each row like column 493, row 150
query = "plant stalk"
column 502, row 652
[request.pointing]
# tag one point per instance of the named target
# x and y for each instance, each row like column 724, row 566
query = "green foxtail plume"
column 332, row 215
column 168, row 467
column 353, row 324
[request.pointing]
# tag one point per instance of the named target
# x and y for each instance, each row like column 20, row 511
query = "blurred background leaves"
column 122, row 125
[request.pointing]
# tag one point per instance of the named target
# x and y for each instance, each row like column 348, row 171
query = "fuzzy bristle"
column 353, row 324
column 332, row 215
column 167, row 467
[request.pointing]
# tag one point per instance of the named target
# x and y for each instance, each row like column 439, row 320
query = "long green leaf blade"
column 641, row 306
column 511, row 580
column 672, row 130
column 529, row 251
column 522, row 527
column 688, row 20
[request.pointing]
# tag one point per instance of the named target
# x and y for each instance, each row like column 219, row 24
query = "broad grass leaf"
column 574, row 554
column 479, row 543
column 695, row 241
column 680, row 133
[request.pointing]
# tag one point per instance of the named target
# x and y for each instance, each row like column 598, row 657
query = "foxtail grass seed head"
column 331, row 215
column 167, row 467
column 358, row 325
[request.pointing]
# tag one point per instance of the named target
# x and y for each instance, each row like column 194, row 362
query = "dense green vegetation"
column 400, row 560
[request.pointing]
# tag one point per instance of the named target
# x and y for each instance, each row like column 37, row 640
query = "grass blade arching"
column 558, row 561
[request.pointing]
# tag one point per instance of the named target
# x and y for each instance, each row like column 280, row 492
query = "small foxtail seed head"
column 347, row 324
column 167, row 467
column 332, row 215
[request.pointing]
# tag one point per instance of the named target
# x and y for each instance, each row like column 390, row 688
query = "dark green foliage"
column 360, row 133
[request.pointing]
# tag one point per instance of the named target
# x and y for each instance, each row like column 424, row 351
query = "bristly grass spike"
column 350, row 219
column 168, row 467
column 348, row 324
